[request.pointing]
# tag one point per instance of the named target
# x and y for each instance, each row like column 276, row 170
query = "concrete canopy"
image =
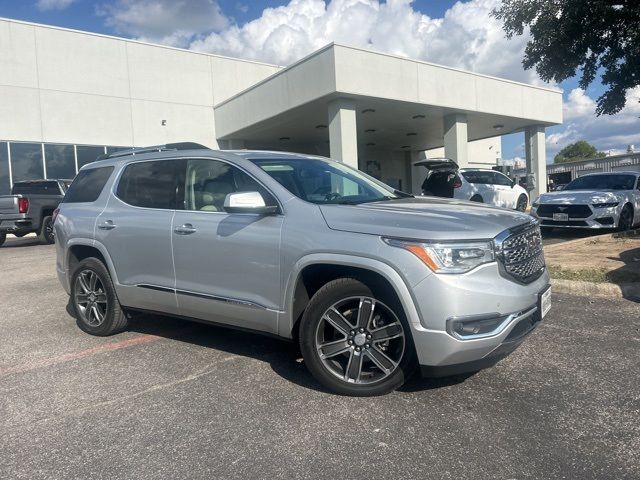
column 400, row 103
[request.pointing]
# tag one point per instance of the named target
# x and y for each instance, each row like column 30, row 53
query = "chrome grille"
column 521, row 253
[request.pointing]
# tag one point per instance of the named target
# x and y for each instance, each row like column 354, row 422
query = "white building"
column 68, row 96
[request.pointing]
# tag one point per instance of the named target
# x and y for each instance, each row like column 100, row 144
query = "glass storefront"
column 25, row 161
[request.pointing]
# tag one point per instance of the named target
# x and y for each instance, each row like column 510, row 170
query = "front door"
column 227, row 265
column 135, row 229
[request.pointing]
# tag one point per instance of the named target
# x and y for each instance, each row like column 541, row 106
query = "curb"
column 630, row 291
column 630, row 234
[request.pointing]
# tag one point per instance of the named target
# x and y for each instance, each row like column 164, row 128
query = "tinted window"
column 321, row 181
column 5, row 184
column 602, row 182
column 60, row 160
column 116, row 149
column 149, row 184
column 26, row 161
column 208, row 182
column 478, row 176
column 500, row 179
column 88, row 154
column 36, row 188
column 88, row 185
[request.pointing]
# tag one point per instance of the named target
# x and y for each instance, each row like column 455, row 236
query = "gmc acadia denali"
column 371, row 282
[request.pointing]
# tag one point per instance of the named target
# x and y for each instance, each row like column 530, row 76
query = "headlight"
column 448, row 257
column 605, row 205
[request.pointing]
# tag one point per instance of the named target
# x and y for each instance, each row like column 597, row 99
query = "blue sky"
column 459, row 34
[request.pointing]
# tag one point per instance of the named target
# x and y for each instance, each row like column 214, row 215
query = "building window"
column 26, row 161
column 5, row 183
column 88, row 154
column 111, row 150
column 60, row 160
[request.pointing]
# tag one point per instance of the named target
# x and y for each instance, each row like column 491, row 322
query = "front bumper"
column 601, row 218
column 483, row 293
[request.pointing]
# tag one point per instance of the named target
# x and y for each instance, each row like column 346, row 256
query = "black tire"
column 349, row 289
column 476, row 198
column 626, row 218
column 114, row 320
column 522, row 203
column 3, row 237
column 46, row 235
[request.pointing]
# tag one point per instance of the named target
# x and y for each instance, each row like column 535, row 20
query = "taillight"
column 23, row 205
column 54, row 215
column 457, row 183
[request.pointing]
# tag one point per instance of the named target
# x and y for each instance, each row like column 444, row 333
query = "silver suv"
column 371, row 282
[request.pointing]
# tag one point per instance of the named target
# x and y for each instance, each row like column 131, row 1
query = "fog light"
column 471, row 327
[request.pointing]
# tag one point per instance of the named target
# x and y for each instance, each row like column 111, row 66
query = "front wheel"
column 521, row 206
column 46, row 234
column 476, row 198
column 626, row 218
column 94, row 299
column 353, row 343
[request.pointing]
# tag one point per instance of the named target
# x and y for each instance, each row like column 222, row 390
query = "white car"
column 445, row 179
column 597, row 200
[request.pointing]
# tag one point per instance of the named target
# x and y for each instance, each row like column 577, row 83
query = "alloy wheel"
column 49, row 231
column 90, row 298
column 360, row 340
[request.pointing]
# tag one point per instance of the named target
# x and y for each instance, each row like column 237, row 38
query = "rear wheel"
column 476, row 198
column 46, row 234
column 94, row 299
column 353, row 343
column 521, row 205
column 3, row 237
column 626, row 218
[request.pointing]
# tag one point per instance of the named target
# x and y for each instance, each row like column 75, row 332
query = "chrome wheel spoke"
column 82, row 281
column 82, row 298
column 354, row 367
column 93, row 278
column 382, row 361
column 388, row 332
column 365, row 312
column 90, row 298
column 331, row 349
column 101, row 297
column 337, row 320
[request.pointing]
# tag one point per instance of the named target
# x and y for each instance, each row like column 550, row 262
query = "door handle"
column 186, row 229
column 107, row 225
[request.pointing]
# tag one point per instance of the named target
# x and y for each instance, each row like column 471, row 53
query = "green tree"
column 580, row 150
column 594, row 36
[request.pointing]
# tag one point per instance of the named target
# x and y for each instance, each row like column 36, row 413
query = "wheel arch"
column 79, row 249
column 313, row 271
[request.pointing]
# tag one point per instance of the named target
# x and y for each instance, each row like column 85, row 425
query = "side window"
column 88, row 185
column 208, row 182
column 500, row 179
column 149, row 184
column 638, row 185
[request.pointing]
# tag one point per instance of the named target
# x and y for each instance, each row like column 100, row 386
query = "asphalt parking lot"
column 172, row 399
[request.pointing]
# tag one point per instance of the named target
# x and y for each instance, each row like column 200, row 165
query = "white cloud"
column 53, row 4
column 170, row 22
column 467, row 37
column 607, row 132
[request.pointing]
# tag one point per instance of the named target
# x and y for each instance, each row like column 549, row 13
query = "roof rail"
column 154, row 148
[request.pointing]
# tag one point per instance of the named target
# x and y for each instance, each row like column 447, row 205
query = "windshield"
column 602, row 182
column 323, row 182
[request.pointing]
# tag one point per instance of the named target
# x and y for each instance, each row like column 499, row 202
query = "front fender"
column 286, row 322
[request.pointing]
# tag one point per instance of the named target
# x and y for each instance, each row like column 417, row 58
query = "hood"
column 579, row 197
column 426, row 218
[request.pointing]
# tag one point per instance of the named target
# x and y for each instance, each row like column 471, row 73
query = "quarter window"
column 208, row 182
column 88, row 185
column 149, row 184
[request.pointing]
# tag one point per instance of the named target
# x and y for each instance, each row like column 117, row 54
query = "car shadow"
column 283, row 356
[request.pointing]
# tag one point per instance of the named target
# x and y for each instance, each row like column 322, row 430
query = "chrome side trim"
column 217, row 298
column 508, row 320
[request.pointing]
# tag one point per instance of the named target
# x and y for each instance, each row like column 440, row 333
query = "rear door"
column 135, row 228
column 227, row 264
column 507, row 196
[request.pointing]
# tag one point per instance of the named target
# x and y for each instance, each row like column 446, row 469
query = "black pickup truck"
column 30, row 207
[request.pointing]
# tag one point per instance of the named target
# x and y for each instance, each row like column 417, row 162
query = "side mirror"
column 248, row 202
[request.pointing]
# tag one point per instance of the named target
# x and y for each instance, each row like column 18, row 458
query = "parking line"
column 68, row 357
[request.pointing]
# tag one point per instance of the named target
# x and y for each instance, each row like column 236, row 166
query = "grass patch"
column 594, row 275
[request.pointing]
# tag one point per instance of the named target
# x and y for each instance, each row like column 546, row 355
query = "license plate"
column 544, row 302
column 562, row 217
